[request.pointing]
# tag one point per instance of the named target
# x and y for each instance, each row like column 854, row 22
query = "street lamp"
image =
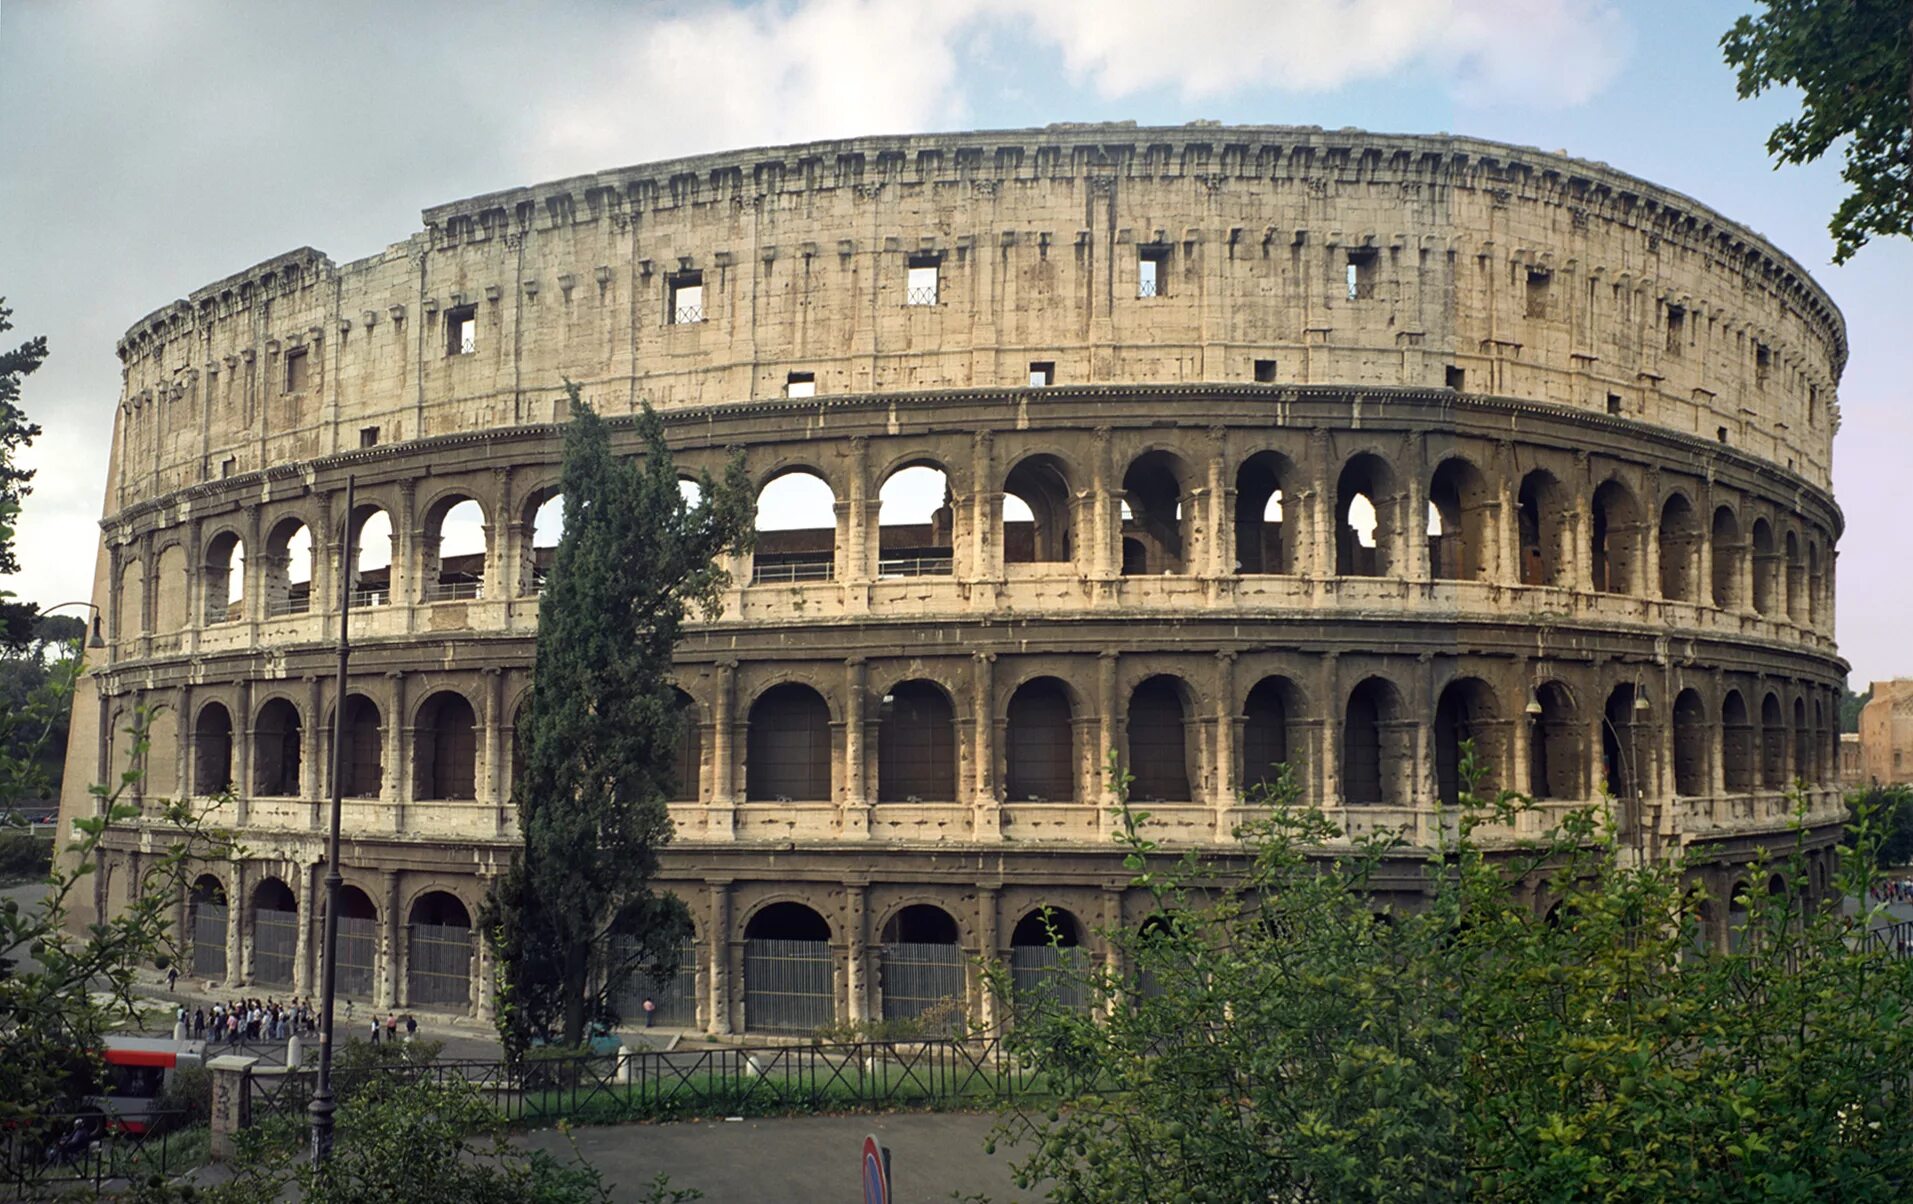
column 98, row 638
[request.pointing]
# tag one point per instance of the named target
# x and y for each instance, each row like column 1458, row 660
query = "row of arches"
column 1548, row 744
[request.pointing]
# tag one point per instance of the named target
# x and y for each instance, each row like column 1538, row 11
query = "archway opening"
column 206, row 922
column 445, row 747
column 275, row 933
column 1048, row 959
column 1458, row 539
column 1466, row 711
column 1796, row 580
column 357, row 954
column 1158, row 741
column 788, row 985
column 916, row 523
column 224, row 574
column 372, row 556
column 212, row 750
column 276, row 750
column 1373, row 709
column 788, row 750
column 1156, row 515
column 796, row 529
column 688, row 765
column 1364, row 537
column 438, row 953
column 1036, row 512
column 1623, row 741
column 1261, row 514
column 362, row 759
column 1773, row 744
column 547, row 529
column 287, row 571
column 1764, row 556
column 455, row 550
column 1554, row 747
column 1540, row 509
column 916, row 745
column 1265, row 733
column 1680, row 550
column 1737, row 743
column 1691, row 747
column 1725, row 553
column 1802, row 741
column 1039, row 746
column 922, row 968
column 1615, row 542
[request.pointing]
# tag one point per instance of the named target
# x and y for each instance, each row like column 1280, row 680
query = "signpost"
column 876, row 1172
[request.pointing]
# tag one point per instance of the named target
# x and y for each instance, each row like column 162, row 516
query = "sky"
column 148, row 147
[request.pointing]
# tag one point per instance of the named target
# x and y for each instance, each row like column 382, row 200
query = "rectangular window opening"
column 1676, row 328
column 296, row 366
column 1265, row 372
column 800, row 384
column 920, row 286
column 1613, row 403
column 1042, row 373
column 1763, row 362
column 1538, row 282
column 368, row 436
column 685, row 298
column 1152, row 277
column 1813, row 403
column 461, row 330
column 1361, row 273
column 1720, row 433
column 1457, row 379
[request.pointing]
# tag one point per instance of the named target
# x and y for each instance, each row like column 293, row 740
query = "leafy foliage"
column 1279, row 1039
column 574, row 917
column 1852, row 61
column 1850, row 707
column 1892, row 810
column 16, row 619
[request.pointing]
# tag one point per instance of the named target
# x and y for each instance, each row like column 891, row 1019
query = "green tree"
column 574, row 917
column 1281, row 1040
column 1850, row 707
column 33, row 711
column 1852, row 61
column 16, row 618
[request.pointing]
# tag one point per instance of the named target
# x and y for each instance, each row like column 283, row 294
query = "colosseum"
column 1209, row 447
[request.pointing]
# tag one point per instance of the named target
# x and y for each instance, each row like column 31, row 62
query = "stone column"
column 986, row 509
column 857, row 951
column 398, row 772
column 1106, row 523
column 1329, row 696
column 1113, row 923
column 385, row 986
column 1226, row 785
column 231, row 1112
column 1316, row 557
column 405, row 552
column 719, row 1005
column 854, row 536
column 983, row 800
column 1105, row 731
column 1219, row 560
column 1412, row 530
column 308, row 904
column 505, row 540
column 186, row 767
column 494, row 780
column 238, row 930
column 313, row 742
column 722, row 823
column 1506, row 524
column 987, row 950
column 856, row 805
column 482, row 1003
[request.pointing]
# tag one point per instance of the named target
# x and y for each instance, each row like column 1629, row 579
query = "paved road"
column 799, row 1160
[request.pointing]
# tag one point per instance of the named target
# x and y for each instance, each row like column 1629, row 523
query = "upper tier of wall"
column 1490, row 268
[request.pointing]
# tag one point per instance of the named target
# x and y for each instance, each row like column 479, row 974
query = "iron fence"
column 675, row 1000
column 787, row 985
column 454, row 591
column 363, row 598
column 357, row 955
column 685, row 315
column 209, row 940
column 438, row 960
column 791, row 570
column 275, row 943
column 1060, row 973
column 42, row 1156
column 914, row 566
column 922, row 294
column 919, row 977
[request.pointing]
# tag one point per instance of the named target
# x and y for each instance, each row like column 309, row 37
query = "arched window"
column 788, row 753
column 1816, row 584
column 1726, row 555
column 1373, row 707
column 1261, row 497
column 1555, row 746
column 1680, row 550
column 915, row 523
column 916, row 745
column 1764, row 557
column 1737, row 743
column 1458, row 536
column 788, row 985
column 362, row 758
column 170, row 584
column 206, row 928
column 1796, row 607
column 438, row 952
column 687, row 768
column 1691, row 748
column 1802, row 741
column 1265, row 731
column 1773, row 744
column 276, row 750
column 922, row 966
column 454, row 551
column 224, row 573
column 1465, row 711
column 796, row 529
column 275, row 933
column 1156, row 514
column 1158, row 745
column 287, row 569
column 357, row 953
column 1541, row 504
column 547, row 528
column 1038, row 746
column 1616, row 542
column 372, row 556
column 132, row 600
column 1364, row 536
column 1047, row 958
column 1623, row 739
column 446, row 748
column 212, row 750
column 1036, row 512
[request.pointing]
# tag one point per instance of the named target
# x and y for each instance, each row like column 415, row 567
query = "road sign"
column 876, row 1172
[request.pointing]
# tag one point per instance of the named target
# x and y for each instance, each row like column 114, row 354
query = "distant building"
column 1852, row 760
column 1886, row 732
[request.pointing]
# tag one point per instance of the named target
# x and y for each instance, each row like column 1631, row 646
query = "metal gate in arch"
column 787, row 986
column 357, row 955
column 275, row 944
column 918, row 977
column 209, row 940
column 438, row 960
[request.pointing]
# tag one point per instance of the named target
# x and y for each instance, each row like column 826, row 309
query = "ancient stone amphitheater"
column 1216, row 447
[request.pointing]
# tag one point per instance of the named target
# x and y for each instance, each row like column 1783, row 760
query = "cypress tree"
column 574, row 918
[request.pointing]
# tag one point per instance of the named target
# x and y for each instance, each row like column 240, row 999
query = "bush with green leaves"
column 1281, row 1040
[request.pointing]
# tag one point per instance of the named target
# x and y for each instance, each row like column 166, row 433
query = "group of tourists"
column 391, row 1025
column 1893, row 890
column 251, row 1020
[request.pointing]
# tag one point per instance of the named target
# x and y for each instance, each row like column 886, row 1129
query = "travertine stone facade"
column 1886, row 733
column 1258, row 444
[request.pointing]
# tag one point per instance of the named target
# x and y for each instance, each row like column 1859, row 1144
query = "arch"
column 796, row 528
column 1458, row 509
column 1466, row 710
column 438, row 951
column 916, row 522
column 206, row 927
column 132, row 599
column 1615, row 534
column 1158, row 740
column 275, row 932
column 276, row 750
column 445, row 748
column 356, row 957
column 788, row 971
column 1726, row 551
column 1036, row 511
column 1680, row 550
column 921, row 970
column 224, row 573
column 916, row 745
column 171, row 583
column 788, row 750
column 372, row 557
column 1263, row 486
column 212, row 749
column 1737, row 743
column 1737, row 916
column 1773, row 744
column 687, row 766
column 1541, row 509
column 1816, row 584
column 1691, row 748
column 285, row 571
column 1802, row 741
column 362, row 756
column 1763, row 551
column 1364, row 530
column 454, row 550
column 545, row 526
column 1622, row 741
column 1555, row 758
column 1039, row 747
column 1796, row 606
column 1370, row 733
column 1157, row 514
column 1272, row 704
column 1038, row 924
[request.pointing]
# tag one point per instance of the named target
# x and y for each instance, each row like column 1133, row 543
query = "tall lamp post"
column 323, row 1106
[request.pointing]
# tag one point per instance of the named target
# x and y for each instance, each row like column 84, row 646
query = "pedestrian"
column 199, row 1023
column 375, row 1030
column 650, row 1010
column 411, row 1027
column 392, row 1026
column 172, row 977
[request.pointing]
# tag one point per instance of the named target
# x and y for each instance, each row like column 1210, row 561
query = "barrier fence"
column 41, row 1156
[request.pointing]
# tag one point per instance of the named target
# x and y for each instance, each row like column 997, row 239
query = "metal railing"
column 791, row 570
column 454, row 591
column 914, row 566
column 280, row 607
column 71, row 1148
column 923, row 294
column 685, row 315
column 362, row 598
